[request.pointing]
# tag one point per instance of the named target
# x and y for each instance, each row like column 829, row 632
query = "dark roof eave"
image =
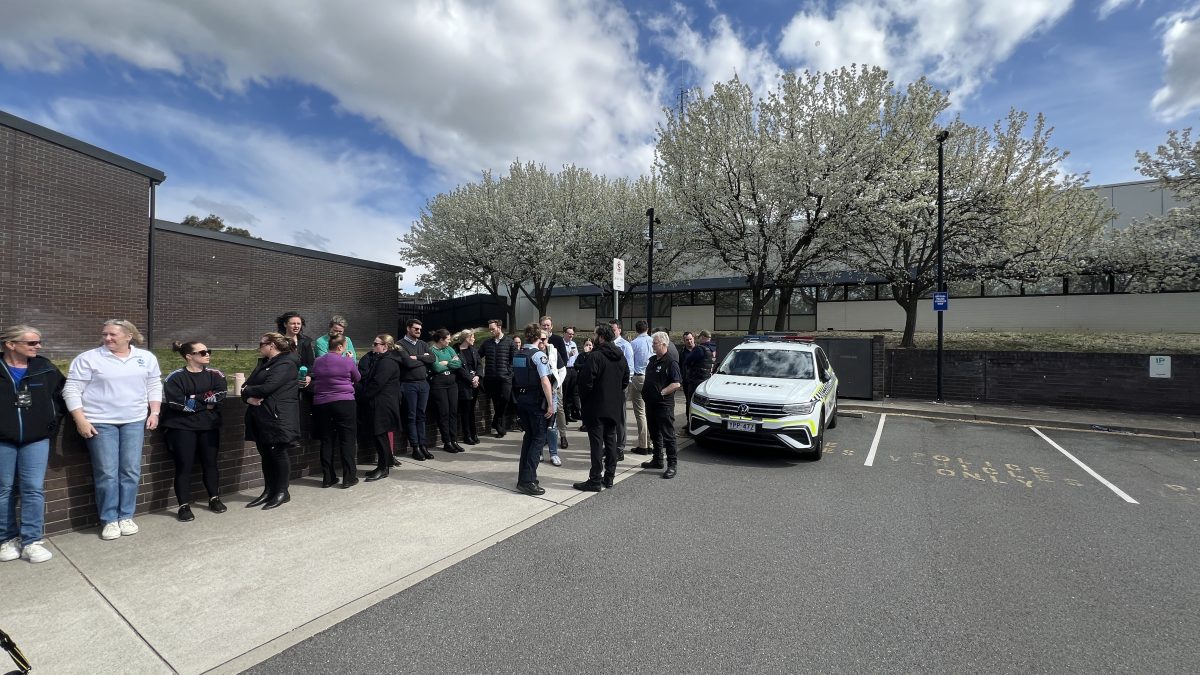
column 61, row 139
column 188, row 230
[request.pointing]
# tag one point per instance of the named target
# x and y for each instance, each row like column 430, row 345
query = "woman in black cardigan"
column 468, row 385
column 273, row 415
column 191, row 415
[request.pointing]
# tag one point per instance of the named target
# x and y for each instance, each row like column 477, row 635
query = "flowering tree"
column 1163, row 252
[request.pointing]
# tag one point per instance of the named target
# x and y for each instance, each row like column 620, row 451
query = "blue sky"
column 329, row 124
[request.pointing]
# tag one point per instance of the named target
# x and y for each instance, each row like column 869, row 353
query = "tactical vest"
column 526, row 380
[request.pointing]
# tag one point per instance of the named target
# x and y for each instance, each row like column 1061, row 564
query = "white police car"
column 776, row 391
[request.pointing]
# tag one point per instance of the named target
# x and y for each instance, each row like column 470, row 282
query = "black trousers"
column 185, row 446
column 571, row 393
column 338, row 427
column 383, row 450
column 276, row 467
column 661, row 419
column 445, row 405
column 602, row 439
column 466, row 418
column 499, row 391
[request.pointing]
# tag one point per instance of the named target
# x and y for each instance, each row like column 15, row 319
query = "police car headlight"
column 700, row 400
column 798, row 408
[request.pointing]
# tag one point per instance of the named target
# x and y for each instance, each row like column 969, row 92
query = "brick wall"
column 1108, row 381
column 230, row 292
column 73, row 243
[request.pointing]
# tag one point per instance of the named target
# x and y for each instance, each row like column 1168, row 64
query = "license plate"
column 741, row 426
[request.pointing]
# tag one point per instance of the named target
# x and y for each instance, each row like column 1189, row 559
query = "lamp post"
column 941, row 277
column 650, row 267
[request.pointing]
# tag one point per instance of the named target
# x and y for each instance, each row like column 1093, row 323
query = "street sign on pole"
column 618, row 274
column 941, row 302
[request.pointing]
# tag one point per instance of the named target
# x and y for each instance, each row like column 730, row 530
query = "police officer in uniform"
column 658, row 391
column 535, row 406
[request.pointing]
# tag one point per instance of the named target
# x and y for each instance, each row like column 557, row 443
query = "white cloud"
column 718, row 56
column 1109, row 6
column 956, row 43
column 299, row 190
column 1180, row 95
column 465, row 84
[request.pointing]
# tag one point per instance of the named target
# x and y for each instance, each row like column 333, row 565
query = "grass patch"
column 225, row 360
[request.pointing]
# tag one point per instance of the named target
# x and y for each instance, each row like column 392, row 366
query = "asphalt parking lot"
column 958, row 547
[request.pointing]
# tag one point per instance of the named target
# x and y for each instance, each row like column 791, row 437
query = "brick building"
column 74, row 234
column 78, row 245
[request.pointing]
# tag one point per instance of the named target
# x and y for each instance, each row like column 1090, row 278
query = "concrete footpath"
column 225, row 592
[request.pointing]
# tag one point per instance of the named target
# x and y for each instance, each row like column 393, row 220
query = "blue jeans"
column 117, row 468
column 533, row 419
column 24, row 467
column 416, row 398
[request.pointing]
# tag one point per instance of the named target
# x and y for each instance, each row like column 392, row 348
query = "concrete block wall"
column 230, row 292
column 1105, row 381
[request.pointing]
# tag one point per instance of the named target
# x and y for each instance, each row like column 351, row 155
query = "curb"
column 1015, row 420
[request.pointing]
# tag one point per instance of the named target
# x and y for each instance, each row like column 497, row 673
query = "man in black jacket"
column 602, row 382
column 662, row 381
column 414, row 385
column 497, row 354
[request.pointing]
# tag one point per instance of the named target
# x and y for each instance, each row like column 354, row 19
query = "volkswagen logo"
column 743, row 409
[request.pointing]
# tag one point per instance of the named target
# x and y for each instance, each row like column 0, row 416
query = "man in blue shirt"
column 535, row 406
column 642, row 350
column 626, row 349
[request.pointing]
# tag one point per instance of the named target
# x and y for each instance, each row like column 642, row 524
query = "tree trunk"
column 758, row 301
column 785, row 301
column 908, row 298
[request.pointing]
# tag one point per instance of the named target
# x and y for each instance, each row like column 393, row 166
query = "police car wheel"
column 818, row 443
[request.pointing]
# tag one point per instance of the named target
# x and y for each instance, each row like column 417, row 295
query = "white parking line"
column 875, row 443
column 1086, row 468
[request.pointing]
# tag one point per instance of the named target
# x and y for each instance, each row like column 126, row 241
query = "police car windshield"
column 788, row 364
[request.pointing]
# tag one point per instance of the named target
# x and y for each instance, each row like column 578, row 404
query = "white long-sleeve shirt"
column 113, row 390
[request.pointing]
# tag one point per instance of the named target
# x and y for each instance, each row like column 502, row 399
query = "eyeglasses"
column 204, row 352
column 31, row 343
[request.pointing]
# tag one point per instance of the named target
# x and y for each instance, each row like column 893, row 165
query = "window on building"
column 965, row 289
column 996, row 288
column 1047, row 286
column 831, row 293
column 588, row 301
column 860, row 292
column 885, row 292
column 1088, row 284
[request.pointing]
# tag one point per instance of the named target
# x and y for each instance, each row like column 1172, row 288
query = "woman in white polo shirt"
column 113, row 393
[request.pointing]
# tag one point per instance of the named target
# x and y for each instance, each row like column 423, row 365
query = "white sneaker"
column 110, row 531
column 36, row 552
column 555, row 460
column 10, row 550
column 127, row 526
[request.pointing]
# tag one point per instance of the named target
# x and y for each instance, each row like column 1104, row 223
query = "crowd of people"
column 537, row 382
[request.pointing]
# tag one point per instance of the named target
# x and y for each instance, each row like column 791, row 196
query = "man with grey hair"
column 662, row 381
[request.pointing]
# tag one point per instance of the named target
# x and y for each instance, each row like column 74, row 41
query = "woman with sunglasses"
column 30, row 405
column 380, row 389
column 272, row 395
column 192, row 419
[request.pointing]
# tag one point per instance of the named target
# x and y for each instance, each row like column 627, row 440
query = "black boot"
column 279, row 499
column 655, row 463
column 425, row 452
column 417, row 455
column 261, row 499
column 376, row 474
column 457, row 447
column 562, row 439
column 330, row 481
column 670, row 472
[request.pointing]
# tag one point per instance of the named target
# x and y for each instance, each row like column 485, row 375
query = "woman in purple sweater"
column 333, row 378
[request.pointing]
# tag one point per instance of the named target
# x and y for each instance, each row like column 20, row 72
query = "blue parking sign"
column 941, row 301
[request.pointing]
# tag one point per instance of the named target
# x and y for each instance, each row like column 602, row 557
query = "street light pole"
column 650, row 270
column 941, row 277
